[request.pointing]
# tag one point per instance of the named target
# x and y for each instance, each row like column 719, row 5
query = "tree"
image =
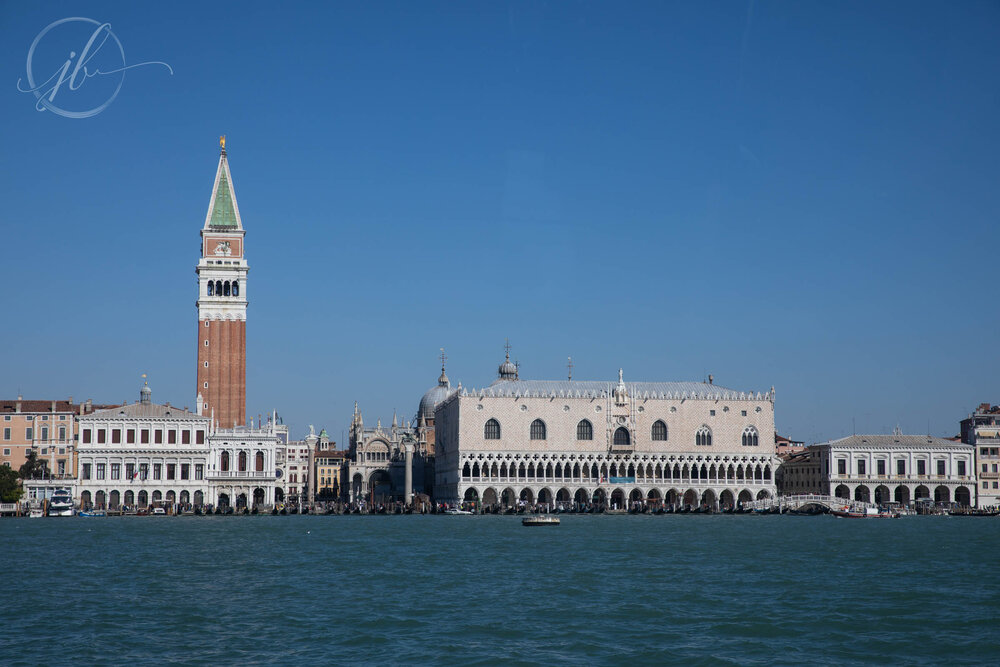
column 34, row 467
column 10, row 485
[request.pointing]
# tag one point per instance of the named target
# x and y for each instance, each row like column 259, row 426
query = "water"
column 467, row 590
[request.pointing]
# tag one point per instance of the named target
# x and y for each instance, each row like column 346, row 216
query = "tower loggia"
column 222, row 306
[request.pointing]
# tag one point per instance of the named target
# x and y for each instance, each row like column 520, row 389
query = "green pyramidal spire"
column 223, row 212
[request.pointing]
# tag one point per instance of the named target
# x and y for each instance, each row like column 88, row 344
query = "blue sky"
column 797, row 194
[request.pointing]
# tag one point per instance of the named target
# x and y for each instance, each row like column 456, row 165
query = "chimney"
column 711, row 378
column 70, row 401
column 167, row 404
column 89, row 406
column 53, row 409
column 19, row 398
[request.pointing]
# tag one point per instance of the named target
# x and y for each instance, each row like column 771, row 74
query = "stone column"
column 408, row 485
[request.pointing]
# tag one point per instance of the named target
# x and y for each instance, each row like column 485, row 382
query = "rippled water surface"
column 461, row 590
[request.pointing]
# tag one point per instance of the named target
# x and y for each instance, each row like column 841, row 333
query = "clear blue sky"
column 797, row 194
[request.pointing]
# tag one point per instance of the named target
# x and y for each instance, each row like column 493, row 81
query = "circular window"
column 758, row 408
column 524, row 407
column 597, row 408
column 479, row 407
column 565, row 408
column 642, row 409
column 673, row 409
column 725, row 409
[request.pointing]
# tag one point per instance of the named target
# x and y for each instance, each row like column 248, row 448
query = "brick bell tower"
column 222, row 306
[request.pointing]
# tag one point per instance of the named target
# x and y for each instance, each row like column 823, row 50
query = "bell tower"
column 222, row 306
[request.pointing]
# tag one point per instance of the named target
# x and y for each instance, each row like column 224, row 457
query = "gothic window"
column 236, row 288
column 659, row 430
column 225, row 288
column 538, row 430
column 750, row 437
column 218, row 288
column 703, row 438
column 584, row 430
column 622, row 437
column 466, row 471
column 211, row 288
column 492, row 430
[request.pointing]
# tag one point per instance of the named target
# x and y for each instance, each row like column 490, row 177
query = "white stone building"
column 242, row 469
column 883, row 469
column 681, row 443
column 144, row 453
column 982, row 430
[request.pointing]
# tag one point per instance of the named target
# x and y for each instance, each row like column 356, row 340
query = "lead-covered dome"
column 434, row 396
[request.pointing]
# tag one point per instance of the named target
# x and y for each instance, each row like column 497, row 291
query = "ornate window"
column 492, row 430
column 703, row 438
column 225, row 288
column 538, row 430
column 750, row 437
column 218, row 288
column 224, row 465
column 659, row 430
column 584, row 430
column 622, row 436
column 236, row 288
column 211, row 288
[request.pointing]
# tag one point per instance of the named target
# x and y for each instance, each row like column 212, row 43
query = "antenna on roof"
column 444, row 358
column 569, row 367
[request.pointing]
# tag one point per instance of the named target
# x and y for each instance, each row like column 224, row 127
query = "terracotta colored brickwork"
column 225, row 373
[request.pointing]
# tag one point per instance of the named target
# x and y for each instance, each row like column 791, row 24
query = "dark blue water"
column 461, row 590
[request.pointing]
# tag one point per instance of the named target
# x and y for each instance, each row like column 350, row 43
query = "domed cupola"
column 145, row 394
column 508, row 369
column 435, row 395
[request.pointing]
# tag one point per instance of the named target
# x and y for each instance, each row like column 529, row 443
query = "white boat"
column 158, row 511
column 61, row 503
column 36, row 513
column 455, row 510
column 540, row 521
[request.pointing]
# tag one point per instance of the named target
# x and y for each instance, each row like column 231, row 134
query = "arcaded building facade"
column 892, row 468
column 617, row 443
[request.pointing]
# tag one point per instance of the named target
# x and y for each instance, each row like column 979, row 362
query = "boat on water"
column 36, row 513
column 456, row 510
column 973, row 512
column 92, row 513
column 540, row 521
column 865, row 513
column 158, row 511
column 61, row 503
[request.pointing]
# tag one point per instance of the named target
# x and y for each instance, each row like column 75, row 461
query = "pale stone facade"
column 680, row 443
column 982, row 430
column 884, row 469
column 143, row 453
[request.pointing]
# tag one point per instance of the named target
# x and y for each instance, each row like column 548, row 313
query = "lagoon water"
column 484, row 589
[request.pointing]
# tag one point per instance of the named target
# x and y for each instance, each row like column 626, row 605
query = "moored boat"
column 61, row 503
column 864, row 513
column 92, row 513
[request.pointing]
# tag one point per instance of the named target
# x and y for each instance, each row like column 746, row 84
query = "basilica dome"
column 434, row 396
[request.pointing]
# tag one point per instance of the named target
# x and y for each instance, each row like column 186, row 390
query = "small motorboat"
column 455, row 510
column 540, row 521
column 158, row 511
column 92, row 513
column 36, row 513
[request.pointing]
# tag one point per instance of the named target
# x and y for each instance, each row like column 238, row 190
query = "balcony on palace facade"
column 238, row 474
